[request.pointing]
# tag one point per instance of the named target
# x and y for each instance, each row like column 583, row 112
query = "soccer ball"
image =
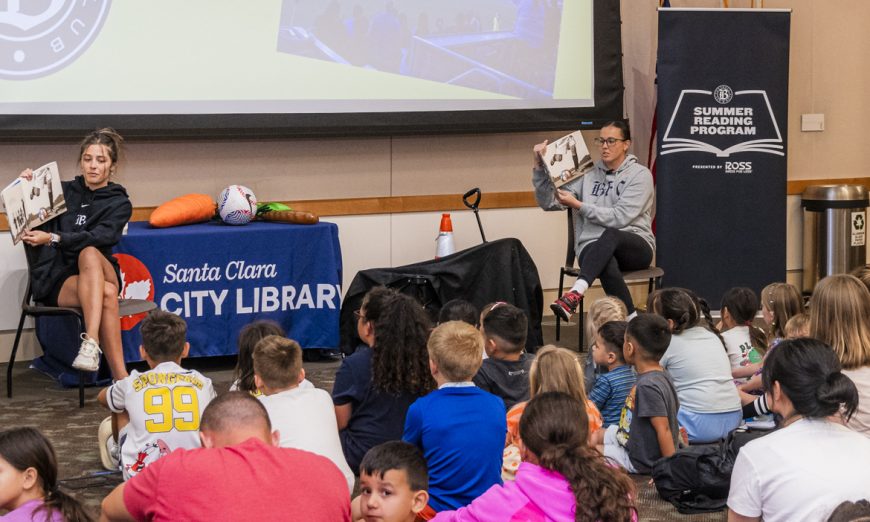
column 237, row 205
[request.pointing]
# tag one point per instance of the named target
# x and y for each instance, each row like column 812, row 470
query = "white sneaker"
column 88, row 359
column 110, row 452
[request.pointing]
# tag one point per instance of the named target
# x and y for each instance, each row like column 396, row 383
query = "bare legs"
column 95, row 290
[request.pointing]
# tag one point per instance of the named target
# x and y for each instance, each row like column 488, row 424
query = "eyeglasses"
column 359, row 315
column 609, row 141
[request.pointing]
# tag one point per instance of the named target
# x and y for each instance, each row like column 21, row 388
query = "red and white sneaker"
column 566, row 306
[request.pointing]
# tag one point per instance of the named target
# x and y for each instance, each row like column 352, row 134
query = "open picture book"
column 567, row 159
column 30, row 203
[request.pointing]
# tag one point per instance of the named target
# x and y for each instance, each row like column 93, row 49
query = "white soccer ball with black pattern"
column 237, row 205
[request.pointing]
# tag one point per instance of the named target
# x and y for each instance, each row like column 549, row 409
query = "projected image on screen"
column 508, row 47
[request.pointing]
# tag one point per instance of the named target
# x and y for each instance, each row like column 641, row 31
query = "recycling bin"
column 835, row 231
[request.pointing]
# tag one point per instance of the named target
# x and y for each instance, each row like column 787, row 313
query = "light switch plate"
column 812, row 122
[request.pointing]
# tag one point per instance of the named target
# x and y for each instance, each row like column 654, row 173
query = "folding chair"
column 30, row 308
column 653, row 275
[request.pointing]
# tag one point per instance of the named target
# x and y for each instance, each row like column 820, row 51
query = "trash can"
column 835, row 225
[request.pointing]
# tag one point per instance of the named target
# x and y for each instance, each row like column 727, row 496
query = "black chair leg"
column 561, row 287
column 581, row 326
column 81, row 389
column 12, row 355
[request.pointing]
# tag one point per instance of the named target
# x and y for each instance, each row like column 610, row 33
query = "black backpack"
column 697, row 479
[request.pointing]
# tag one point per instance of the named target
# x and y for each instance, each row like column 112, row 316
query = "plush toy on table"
column 282, row 213
column 237, row 205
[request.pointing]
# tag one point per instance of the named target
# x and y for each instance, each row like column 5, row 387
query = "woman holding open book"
column 613, row 212
column 72, row 263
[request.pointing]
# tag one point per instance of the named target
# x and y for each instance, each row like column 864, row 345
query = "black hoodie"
column 93, row 218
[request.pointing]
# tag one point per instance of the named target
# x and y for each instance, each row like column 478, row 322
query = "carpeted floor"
column 39, row 402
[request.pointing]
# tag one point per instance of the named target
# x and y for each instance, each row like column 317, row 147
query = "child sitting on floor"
column 745, row 343
column 561, row 477
column 611, row 388
column 393, row 483
column 505, row 372
column 647, row 429
column 375, row 386
column 459, row 310
column 798, row 326
column 779, row 303
column 460, row 428
column 303, row 417
column 28, row 480
column 698, row 365
column 603, row 310
column 251, row 334
column 554, row 370
column 156, row 411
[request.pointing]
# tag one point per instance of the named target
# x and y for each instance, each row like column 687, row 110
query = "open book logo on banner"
column 39, row 38
column 722, row 122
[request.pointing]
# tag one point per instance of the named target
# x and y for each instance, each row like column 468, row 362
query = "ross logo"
column 731, row 123
column 35, row 43
column 723, row 94
column 136, row 283
column 738, row 167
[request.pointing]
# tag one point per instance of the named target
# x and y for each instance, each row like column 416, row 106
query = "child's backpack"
column 696, row 479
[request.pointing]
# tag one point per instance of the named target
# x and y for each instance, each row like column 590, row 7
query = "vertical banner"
column 721, row 167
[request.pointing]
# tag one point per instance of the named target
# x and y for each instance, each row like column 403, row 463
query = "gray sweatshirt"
column 623, row 199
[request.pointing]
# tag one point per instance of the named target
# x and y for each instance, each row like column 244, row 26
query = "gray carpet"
column 39, row 402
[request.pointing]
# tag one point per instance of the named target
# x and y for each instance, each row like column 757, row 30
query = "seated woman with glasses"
column 613, row 211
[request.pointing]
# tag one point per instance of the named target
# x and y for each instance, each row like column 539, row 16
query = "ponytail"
column 808, row 373
column 70, row 508
column 758, row 338
column 742, row 304
column 554, row 427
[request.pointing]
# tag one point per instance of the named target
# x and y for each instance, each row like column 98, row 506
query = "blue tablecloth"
column 220, row 277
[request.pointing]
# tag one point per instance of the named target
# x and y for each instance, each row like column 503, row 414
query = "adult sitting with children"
column 613, row 204
column 812, row 463
column 73, row 263
column 239, row 474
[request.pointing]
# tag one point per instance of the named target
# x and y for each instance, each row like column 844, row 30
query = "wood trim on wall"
column 445, row 202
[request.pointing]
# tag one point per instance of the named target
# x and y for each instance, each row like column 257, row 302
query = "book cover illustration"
column 567, row 159
column 30, row 203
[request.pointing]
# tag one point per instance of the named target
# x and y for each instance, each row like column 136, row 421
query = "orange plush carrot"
column 183, row 210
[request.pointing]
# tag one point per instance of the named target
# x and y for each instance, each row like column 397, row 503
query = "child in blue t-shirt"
column 611, row 388
column 460, row 428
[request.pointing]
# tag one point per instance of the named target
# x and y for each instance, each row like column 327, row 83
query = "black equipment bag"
column 696, row 479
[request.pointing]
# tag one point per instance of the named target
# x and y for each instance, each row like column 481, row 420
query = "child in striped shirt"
column 613, row 387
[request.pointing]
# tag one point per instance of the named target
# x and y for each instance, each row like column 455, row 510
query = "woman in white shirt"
column 804, row 470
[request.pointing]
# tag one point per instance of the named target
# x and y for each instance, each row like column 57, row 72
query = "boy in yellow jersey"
column 156, row 411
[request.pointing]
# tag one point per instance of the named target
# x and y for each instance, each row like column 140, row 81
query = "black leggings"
column 611, row 254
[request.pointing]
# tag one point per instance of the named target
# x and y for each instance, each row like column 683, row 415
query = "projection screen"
column 211, row 68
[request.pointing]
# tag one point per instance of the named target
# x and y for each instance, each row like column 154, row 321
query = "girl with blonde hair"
column 779, row 303
column 602, row 311
column 840, row 317
column 554, row 369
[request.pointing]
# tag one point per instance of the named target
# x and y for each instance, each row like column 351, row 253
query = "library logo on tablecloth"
column 136, row 283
